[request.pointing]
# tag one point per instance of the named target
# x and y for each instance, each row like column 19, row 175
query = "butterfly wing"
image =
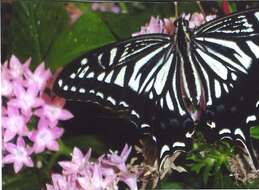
column 138, row 76
column 226, row 54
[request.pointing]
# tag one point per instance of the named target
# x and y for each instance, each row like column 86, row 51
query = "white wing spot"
column 60, row 82
column 162, row 102
column 189, row 135
column 100, row 95
column 110, row 99
column 133, row 112
column 100, row 58
column 211, row 125
column 109, row 77
column 73, row 75
column 84, row 61
column 112, row 55
column 82, row 90
column 225, row 87
column 223, row 131
column 101, row 76
column 151, row 95
column 144, row 125
column 92, row 91
column 250, row 118
column 163, row 150
column 65, row 87
column 124, row 104
column 178, row 144
column 254, row 48
column 217, row 89
column 82, row 74
column 120, row 77
column 234, row 76
column 90, row 75
column 73, row 88
column 169, row 101
column 257, row 15
column 238, row 131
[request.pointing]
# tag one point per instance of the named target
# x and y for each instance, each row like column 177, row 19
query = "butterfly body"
column 165, row 84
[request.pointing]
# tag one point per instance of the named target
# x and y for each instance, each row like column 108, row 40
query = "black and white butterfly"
column 158, row 79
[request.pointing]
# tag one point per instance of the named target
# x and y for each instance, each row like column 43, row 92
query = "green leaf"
column 85, row 142
column 171, row 185
column 33, row 28
column 188, row 7
column 255, row 132
column 122, row 26
column 26, row 179
column 87, row 33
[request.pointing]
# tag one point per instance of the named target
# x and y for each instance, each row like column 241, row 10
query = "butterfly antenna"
column 176, row 9
column 201, row 8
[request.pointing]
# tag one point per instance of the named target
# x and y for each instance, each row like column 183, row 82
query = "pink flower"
column 130, row 180
column 106, row 7
column 19, row 155
column 6, row 88
column 17, row 69
column 157, row 25
column 96, row 180
column 53, row 111
column 196, row 20
column 45, row 137
column 94, row 175
column 78, row 162
column 74, row 12
column 119, row 161
column 166, row 25
column 25, row 99
column 61, row 182
column 24, row 96
column 14, row 124
column 39, row 78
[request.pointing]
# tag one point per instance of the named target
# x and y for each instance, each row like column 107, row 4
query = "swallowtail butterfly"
column 157, row 80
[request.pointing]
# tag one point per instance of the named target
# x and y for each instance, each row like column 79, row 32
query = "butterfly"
column 165, row 84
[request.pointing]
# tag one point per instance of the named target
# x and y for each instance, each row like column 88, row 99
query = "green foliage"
column 33, row 28
column 255, row 132
column 208, row 160
column 87, row 33
column 30, row 178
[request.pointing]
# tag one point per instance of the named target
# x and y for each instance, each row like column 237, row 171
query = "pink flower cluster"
column 29, row 114
column 82, row 174
column 106, row 7
column 166, row 25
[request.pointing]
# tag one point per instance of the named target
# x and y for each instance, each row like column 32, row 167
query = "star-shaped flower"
column 45, row 137
column 19, row 155
column 39, row 77
column 78, row 163
column 14, row 123
column 53, row 111
column 25, row 99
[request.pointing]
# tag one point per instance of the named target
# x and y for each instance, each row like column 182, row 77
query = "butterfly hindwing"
column 226, row 55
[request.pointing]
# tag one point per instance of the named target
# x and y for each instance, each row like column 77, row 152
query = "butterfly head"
column 181, row 24
column 182, row 31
